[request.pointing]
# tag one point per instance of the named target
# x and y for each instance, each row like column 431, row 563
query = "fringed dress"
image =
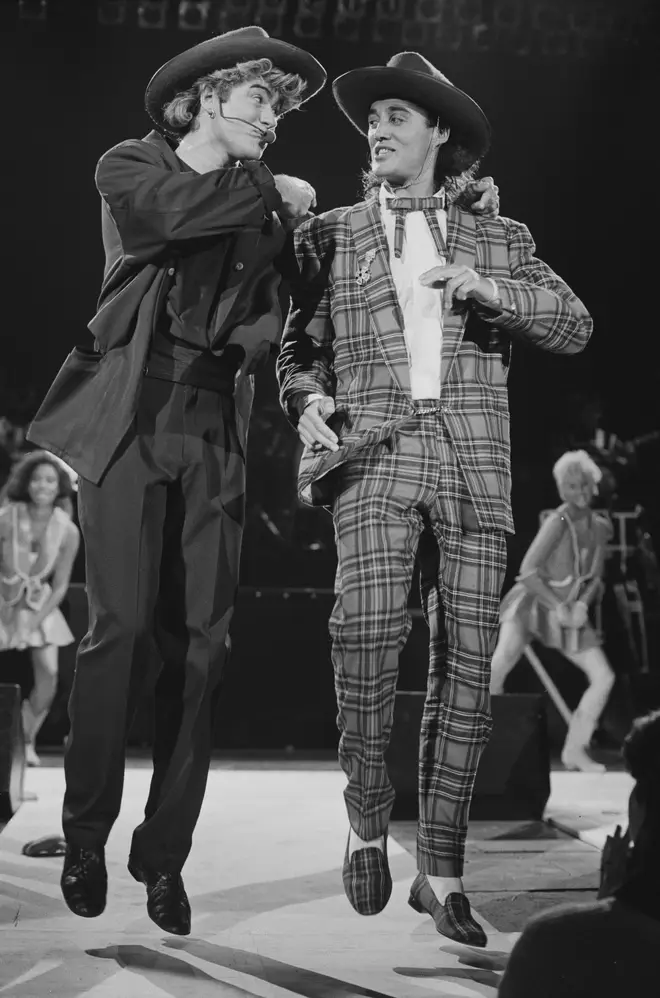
column 567, row 570
column 23, row 578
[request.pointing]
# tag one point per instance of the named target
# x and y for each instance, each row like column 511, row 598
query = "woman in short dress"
column 38, row 546
column 559, row 577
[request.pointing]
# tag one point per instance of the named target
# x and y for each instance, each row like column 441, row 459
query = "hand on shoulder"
column 297, row 196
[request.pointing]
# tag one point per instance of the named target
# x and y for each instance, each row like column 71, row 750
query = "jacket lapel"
column 461, row 249
column 373, row 264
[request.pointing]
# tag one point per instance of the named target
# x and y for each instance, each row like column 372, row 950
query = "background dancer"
column 38, row 546
column 560, row 576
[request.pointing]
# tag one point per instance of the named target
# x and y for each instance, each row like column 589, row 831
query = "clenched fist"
column 297, row 196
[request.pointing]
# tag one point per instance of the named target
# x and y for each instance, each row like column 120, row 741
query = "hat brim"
column 224, row 52
column 356, row 91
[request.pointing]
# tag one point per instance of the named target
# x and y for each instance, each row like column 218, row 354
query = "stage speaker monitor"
column 513, row 780
column 12, row 751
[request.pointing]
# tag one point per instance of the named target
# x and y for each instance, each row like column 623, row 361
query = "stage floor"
column 269, row 914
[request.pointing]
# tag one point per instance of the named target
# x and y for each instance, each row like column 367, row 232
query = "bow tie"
column 429, row 206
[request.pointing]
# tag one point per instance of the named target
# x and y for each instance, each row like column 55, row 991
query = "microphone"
column 267, row 134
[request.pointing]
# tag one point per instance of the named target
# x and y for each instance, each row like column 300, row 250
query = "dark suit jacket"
column 148, row 208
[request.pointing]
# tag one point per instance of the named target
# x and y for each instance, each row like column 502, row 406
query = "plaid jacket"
column 344, row 337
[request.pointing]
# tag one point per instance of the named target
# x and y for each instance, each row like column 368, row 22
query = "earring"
column 211, row 114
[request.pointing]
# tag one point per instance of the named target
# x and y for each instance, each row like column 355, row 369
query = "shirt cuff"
column 300, row 400
column 504, row 311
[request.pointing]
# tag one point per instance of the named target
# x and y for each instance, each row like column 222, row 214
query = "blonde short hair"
column 576, row 460
column 181, row 112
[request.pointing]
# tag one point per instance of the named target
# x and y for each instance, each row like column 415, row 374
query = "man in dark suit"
column 154, row 421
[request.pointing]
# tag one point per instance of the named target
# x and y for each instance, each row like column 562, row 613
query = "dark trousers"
column 162, row 538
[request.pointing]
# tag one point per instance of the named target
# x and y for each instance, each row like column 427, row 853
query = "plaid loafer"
column 453, row 918
column 367, row 879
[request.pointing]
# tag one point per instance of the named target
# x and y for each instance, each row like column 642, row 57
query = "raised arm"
column 535, row 302
column 153, row 206
column 305, row 362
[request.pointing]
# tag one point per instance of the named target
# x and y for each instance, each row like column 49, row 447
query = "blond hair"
column 180, row 114
column 576, row 459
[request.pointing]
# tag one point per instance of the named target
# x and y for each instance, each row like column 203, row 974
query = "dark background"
column 574, row 120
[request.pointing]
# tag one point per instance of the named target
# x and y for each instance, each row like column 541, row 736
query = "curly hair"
column 576, row 459
column 17, row 487
column 181, row 112
column 455, row 167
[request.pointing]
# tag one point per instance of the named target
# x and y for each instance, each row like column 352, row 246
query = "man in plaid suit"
column 394, row 366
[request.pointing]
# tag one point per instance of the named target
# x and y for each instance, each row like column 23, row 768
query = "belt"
column 205, row 371
column 423, row 406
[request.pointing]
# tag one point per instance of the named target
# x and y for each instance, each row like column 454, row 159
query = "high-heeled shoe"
column 574, row 754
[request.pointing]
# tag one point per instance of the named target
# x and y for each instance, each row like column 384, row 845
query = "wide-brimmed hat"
column 409, row 76
column 223, row 52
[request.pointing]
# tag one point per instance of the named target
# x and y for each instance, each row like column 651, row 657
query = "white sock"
column 355, row 842
column 442, row 886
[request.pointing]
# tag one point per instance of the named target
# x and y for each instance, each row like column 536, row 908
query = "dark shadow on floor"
column 230, row 905
column 487, row 978
column 181, row 976
column 300, row 981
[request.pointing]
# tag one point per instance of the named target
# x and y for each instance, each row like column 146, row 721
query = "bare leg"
column 35, row 709
column 510, row 645
column 601, row 679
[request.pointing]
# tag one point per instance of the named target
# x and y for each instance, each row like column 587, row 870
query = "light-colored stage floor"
column 269, row 914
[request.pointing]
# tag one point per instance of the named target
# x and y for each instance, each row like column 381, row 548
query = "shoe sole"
column 83, row 914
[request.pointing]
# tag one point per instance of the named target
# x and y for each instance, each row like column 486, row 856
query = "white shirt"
column 421, row 306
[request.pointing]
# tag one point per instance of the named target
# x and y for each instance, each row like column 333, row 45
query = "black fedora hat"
column 409, row 76
column 223, row 52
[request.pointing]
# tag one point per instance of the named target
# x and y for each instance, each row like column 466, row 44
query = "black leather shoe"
column 84, row 881
column 167, row 901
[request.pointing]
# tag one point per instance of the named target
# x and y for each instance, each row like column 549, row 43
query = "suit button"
column 238, row 266
column 171, row 271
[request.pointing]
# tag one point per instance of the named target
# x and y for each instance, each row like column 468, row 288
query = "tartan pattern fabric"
column 453, row 919
column 397, row 472
column 367, row 879
column 429, row 206
column 384, row 502
column 344, row 337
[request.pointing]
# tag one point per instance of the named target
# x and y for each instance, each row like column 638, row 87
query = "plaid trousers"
column 407, row 488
